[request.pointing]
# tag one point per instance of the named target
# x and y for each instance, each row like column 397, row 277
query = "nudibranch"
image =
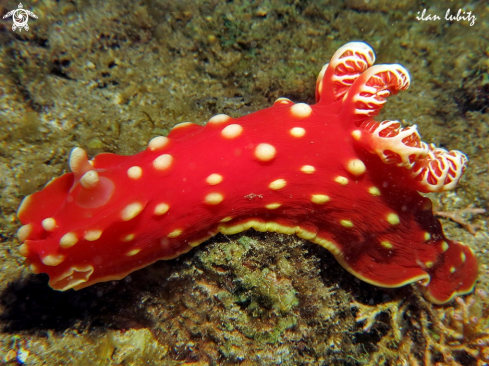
column 327, row 173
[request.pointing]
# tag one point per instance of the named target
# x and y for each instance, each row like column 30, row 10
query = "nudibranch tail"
column 293, row 168
column 459, row 267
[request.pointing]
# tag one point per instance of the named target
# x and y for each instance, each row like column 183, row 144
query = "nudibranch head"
column 327, row 173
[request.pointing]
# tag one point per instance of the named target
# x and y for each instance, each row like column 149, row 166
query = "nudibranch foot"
column 327, row 173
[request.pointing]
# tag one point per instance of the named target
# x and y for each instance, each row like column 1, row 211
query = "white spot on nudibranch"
column 357, row 134
column 231, row 131
column 161, row 209
column 463, row 257
column 24, row 250
column 297, row 132
column 68, row 240
column 319, row 198
column 277, row 184
column 131, row 211
column 355, row 167
column 444, row 246
column 49, row 224
column 214, row 179
column 24, row 232
column 341, row 180
column 93, row 235
column 219, row 118
column 214, row 198
column 129, row 237
column 301, row 110
column 158, row 143
column 386, row 244
column 133, row 252
column 34, row 268
column 393, row 219
column 374, row 191
column 53, row 260
column 265, row 152
column 163, row 162
column 308, row 169
column 175, row 233
column 273, row 206
column 346, row 223
column 134, row 172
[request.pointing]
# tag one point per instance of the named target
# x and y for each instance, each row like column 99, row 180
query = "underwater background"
column 110, row 75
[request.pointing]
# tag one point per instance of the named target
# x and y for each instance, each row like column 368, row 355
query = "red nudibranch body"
column 327, row 173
